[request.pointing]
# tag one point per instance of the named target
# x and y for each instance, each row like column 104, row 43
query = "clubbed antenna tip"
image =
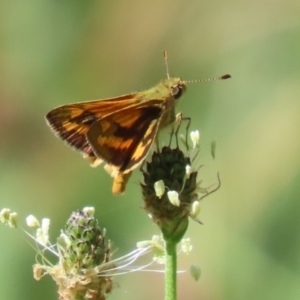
column 226, row 76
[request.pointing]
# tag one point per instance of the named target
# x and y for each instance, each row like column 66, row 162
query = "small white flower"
column 8, row 218
column 45, row 225
column 188, row 171
column 12, row 222
column 173, row 198
column 42, row 234
column 64, row 240
column 158, row 249
column 159, row 188
column 195, row 272
column 186, row 246
column 41, row 237
column 32, row 222
column 89, row 210
column 195, row 137
column 4, row 215
column 38, row 271
column 156, row 244
column 195, row 209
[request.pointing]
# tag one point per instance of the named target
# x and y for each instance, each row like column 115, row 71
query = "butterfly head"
column 176, row 87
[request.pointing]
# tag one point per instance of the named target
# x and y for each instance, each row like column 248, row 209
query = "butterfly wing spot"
column 144, row 146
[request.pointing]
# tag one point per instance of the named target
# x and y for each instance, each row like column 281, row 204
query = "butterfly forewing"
column 72, row 122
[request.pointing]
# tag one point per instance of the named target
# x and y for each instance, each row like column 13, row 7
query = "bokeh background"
column 59, row 52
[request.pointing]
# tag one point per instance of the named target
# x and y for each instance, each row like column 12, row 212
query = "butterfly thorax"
column 167, row 90
column 173, row 89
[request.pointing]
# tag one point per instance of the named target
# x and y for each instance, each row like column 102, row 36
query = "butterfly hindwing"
column 124, row 138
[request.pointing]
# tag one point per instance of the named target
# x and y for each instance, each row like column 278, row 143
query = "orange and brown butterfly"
column 119, row 131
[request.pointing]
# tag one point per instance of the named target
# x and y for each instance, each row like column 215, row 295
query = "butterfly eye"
column 176, row 91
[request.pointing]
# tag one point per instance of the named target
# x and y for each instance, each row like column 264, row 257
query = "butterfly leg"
column 171, row 134
column 157, row 143
column 189, row 120
column 179, row 119
column 215, row 189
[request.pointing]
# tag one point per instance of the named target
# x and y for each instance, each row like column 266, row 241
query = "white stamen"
column 195, row 137
column 159, row 188
column 32, row 222
column 174, row 198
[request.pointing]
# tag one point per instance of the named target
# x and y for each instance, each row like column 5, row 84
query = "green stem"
column 171, row 271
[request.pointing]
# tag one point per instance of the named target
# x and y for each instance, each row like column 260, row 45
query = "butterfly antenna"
column 166, row 63
column 226, row 76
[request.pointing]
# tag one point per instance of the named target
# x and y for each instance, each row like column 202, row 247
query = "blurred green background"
column 59, row 52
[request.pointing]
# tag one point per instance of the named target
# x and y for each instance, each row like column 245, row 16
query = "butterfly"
column 119, row 131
